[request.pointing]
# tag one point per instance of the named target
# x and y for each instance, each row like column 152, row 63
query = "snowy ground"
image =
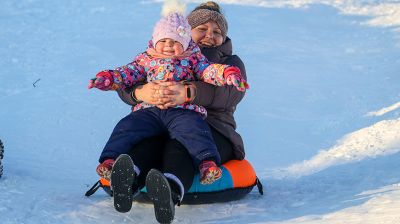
column 321, row 121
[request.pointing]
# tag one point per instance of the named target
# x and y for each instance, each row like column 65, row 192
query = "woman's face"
column 207, row 34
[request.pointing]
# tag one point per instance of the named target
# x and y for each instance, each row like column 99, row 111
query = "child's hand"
column 233, row 77
column 103, row 81
column 237, row 81
column 100, row 83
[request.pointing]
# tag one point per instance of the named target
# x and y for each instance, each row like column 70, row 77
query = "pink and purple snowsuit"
column 182, row 122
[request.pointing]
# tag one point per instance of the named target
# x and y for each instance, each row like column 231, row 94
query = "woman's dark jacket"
column 220, row 102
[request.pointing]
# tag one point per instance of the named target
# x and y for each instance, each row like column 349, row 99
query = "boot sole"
column 159, row 191
column 122, row 178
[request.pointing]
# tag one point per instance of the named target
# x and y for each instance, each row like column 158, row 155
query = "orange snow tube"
column 238, row 179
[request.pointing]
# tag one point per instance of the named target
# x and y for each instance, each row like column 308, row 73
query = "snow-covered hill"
column 320, row 122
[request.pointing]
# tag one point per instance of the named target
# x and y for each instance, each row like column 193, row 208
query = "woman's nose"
column 209, row 34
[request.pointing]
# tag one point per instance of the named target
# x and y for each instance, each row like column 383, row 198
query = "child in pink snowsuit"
column 171, row 56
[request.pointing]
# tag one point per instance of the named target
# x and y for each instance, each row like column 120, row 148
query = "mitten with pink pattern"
column 103, row 81
column 233, row 77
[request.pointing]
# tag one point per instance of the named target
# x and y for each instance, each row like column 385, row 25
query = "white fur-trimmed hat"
column 173, row 24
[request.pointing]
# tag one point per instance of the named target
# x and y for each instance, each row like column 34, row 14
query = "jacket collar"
column 216, row 54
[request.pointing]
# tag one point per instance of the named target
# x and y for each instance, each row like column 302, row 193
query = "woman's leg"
column 148, row 154
column 177, row 161
column 224, row 146
column 165, row 187
column 129, row 172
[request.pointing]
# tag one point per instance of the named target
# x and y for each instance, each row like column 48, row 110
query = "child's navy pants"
column 186, row 126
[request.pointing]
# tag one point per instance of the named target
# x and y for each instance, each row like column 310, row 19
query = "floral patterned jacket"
column 194, row 66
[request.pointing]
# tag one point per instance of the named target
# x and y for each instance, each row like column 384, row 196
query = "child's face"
column 169, row 47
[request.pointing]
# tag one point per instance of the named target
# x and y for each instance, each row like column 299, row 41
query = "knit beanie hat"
column 206, row 12
column 173, row 25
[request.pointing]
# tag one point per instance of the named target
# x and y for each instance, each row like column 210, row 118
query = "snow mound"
column 382, row 138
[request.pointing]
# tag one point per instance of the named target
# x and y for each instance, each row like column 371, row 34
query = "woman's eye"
column 218, row 32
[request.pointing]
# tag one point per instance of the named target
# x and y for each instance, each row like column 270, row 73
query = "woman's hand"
column 161, row 94
column 174, row 92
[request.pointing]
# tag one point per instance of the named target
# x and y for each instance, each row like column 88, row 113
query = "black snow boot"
column 123, row 183
column 163, row 198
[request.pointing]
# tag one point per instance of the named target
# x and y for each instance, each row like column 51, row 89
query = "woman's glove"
column 103, row 81
column 104, row 169
column 233, row 77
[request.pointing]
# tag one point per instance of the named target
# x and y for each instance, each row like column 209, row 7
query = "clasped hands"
column 162, row 94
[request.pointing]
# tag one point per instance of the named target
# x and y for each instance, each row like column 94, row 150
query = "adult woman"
column 209, row 29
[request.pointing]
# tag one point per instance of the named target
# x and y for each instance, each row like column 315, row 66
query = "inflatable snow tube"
column 238, row 179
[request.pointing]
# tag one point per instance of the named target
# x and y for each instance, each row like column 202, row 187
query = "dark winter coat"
column 220, row 102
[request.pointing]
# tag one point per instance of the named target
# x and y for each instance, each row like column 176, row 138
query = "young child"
column 170, row 56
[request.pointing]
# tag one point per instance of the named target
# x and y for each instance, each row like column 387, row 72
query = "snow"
column 384, row 110
column 321, row 121
column 382, row 138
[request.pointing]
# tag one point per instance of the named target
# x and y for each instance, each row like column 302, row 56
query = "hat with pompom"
column 173, row 24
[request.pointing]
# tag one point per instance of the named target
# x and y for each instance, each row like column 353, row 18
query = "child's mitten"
column 103, row 81
column 233, row 77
